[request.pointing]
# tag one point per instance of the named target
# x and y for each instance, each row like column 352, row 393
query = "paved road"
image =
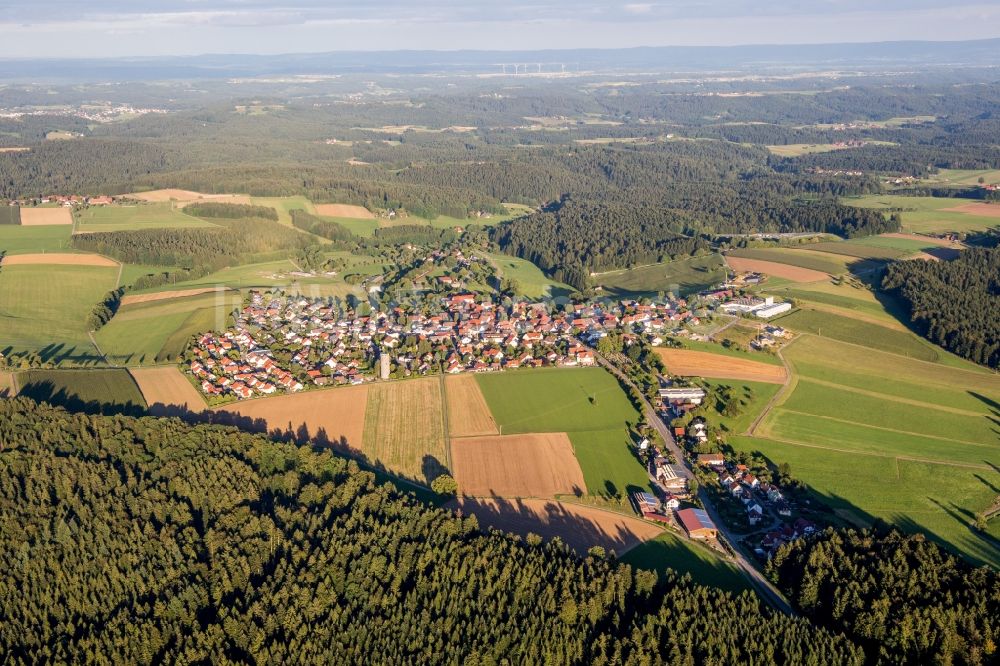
column 764, row 588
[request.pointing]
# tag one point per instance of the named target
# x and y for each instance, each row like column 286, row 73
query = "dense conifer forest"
column 956, row 304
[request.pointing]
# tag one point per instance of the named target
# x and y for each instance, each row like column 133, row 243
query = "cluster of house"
column 674, row 401
column 775, row 539
column 742, row 485
column 67, row 200
column 466, row 333
column 100, row 113
column 695, row 522
column 769, row 336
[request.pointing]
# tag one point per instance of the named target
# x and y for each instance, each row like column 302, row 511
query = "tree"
column 444, row 485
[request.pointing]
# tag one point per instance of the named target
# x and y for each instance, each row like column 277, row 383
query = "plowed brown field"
column 468, row 413
column 580, row 527
column 530, row 465
column 187, row 196
column 57, row 259
column 336, row 415
column 344, row 210
column 167, row 391
column 690, row 363
column 980, row 209
column 35, row 217
column 793, row 273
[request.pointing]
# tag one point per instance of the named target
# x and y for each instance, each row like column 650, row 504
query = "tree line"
column 232, row 211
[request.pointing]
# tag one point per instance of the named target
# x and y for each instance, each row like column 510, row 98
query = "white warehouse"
column 771, row 310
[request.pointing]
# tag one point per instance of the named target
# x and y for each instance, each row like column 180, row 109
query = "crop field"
column 404, row 428
column 900, row 241
column 135, row 299
column 732, row 352
column 336, row 415
column 682, row 276
column 530, row 278
column 44, row 309
column 31, row 217
column 15, row 239
column 167, row 391
column 816, row 262
column 10, row 215
column 344, row 210
column 108, row 391
column 799, row 149
column 879, row 435
column 532, row 465
column 284, row 206
column 186, row 196
column 691, row 363
column 579, row 527
column 158, row 215
column 929, row 214
column 858, row 250
column 854, row 330
column 669, row 552
column 58, row 259
column 964, row 177
column 468, row 413
column 156, row 331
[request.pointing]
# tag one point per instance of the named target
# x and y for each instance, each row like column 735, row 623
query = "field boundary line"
column 875, row 454
column 787, row 388
column 445, row 431
column 900, row 432
column 893, row 398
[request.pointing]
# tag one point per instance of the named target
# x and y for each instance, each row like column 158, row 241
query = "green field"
column 530, row 278
column 803, row 258
column 883, row 436
column 858, row 250
column 683, row 276
column 799, row 149
column 903, row 245
column 10, row 215
column 110, row 391
column 669, row 551
column 855, row 331
column 698, row 345
column 587, row 404
column 156, row 332
column 15, row 239
column 927, row 214
column 44, row 309
column 158, row 215
column 963, row 177
column 130, row 272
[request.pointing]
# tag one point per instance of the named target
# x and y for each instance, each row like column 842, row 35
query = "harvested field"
column 926, row 239
column 978, row 209
column 57, row 259
column 580, row 527
column 36, row 217
column 690, row 363
column 793, row 273
column 187, row 196
column 335, row 415
column 344, row 210
column 468, row 413
column 15, row 149
column 132, row 299
column 167, row 391
column 532, row 465
column 404, row 428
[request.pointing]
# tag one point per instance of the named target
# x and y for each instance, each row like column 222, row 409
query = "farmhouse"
column 697, row 523
column 711, row 459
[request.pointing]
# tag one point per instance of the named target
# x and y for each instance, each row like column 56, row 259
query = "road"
column 764, row 588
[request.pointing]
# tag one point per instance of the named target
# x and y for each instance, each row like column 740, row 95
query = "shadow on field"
column 47, row 391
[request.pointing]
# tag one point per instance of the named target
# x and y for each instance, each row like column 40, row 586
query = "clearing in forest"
column 530, row 465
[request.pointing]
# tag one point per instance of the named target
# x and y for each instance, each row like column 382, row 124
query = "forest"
column 953, row 303
column 141, row 540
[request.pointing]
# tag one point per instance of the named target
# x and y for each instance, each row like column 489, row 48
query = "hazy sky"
column 82, row 28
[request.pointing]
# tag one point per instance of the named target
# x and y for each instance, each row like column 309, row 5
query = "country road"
column 764, row 588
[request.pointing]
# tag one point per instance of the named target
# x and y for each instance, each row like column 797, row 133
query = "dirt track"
column 163, row 295
column 786, row 271
column 34, row 217
column 468, row 413
column 58, row 259
column 344, row 210
column 580, row 527
column 690, row 363
column 336, row 415
column 167, row 390
column 531, row 465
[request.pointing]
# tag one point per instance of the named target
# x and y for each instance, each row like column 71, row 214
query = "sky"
column 111, row 28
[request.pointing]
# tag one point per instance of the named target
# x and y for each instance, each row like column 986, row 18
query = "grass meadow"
column 530, row 278
column 682, row 276
column 158, row 215
column 669, row 552
column 926, row 214
column 804, row 257
column 856, row 331
column 15, row 239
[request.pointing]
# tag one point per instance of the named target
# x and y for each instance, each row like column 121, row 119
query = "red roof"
column 695, row 519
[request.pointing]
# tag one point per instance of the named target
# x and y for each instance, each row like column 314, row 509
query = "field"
column 404, row 428
column 10, row 215
column 93, row 391
column 868, row 333
column 167, row 391
column 683, row 276
column 468, row 413
column 859, row 250
column 15, row 239
column 344, row 210
column 799, row 149
column 815, row 262
column 156, row 331
column 58, row 259
column 44, row 309
column 134, row 299
column 669, row 551
column 536, row 465
column 775, row 269
column 580, row 527
column 186, row 196
column 31, row 217
column 585, row 403
column 8, row 385
column 159, row 215
column 690, row 363
column 964, row 177
column 929, row 214
column 530, row 279
column 859, row 301
column 882, row 436
column 336, row 416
